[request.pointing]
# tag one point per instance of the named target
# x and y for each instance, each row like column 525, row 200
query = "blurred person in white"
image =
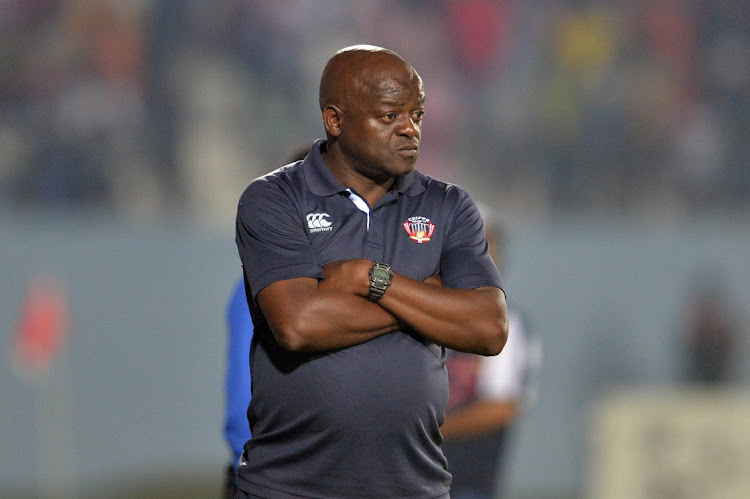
column 487, row 397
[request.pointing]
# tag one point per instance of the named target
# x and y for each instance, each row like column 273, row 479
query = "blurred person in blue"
column 237, row 382
column 360, row 272
column 487, row 397
column 237, row 377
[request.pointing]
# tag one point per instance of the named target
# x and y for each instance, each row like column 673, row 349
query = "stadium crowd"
column 152, row 107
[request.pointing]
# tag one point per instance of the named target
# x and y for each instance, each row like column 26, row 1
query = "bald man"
column 359, row 273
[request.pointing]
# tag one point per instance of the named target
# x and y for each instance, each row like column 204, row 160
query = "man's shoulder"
column 287, row 177
column 282, row 175
column 435, row 186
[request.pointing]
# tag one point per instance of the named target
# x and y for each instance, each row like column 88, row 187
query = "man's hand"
column 348, row 276
column 434, row 280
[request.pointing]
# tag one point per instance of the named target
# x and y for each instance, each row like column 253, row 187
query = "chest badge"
column 318, row 222
column 420, row 229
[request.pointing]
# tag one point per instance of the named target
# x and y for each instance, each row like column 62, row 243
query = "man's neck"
column 370, row 189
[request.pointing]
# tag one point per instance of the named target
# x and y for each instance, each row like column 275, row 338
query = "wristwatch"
column 381, row 276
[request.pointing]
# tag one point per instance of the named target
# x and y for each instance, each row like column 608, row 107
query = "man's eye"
column 389, row 116
column 418, row 115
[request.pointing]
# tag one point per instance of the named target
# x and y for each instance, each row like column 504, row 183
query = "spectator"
column 709, row 333
column 487, row 395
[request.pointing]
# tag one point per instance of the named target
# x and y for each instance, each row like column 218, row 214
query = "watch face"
column 380, row 274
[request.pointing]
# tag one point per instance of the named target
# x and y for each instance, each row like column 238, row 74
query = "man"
column 487, row 395
column 359, row 271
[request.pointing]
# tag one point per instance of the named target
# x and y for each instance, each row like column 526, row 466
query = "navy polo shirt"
column 360, row 421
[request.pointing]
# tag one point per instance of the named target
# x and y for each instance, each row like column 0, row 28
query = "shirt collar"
column 319, row 178
column 321, row 181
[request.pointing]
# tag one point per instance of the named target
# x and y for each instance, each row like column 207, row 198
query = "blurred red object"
column 42, row 329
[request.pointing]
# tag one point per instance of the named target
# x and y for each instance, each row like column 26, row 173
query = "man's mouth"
column 409, row 151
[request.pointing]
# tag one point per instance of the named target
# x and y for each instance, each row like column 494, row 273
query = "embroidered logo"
column 420, row 229
column 318, row 222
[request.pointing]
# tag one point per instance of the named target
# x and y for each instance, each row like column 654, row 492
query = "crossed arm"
column 307, row 315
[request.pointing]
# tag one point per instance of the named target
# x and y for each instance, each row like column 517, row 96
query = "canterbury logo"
column 318, row 222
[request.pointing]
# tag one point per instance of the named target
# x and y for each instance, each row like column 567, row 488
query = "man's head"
column 372, row 103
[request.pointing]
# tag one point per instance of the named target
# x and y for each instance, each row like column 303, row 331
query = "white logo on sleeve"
column 318, row 222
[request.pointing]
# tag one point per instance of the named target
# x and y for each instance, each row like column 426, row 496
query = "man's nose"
column 408, row 127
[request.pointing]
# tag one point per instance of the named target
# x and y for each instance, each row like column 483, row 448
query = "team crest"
column 420, row 229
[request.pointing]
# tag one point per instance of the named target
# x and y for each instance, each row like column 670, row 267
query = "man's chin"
column 406, row 165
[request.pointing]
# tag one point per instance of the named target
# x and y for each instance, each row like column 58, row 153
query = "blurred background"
column 612, row 139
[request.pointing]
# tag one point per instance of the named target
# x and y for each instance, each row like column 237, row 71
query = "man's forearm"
column 308, row 316
column 340, row 320
column 468, row 320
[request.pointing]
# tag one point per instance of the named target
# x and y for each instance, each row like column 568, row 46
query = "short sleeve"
column 271, row 239
column 466, row 262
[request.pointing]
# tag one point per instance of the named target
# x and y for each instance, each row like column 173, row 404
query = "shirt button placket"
column 374, row 240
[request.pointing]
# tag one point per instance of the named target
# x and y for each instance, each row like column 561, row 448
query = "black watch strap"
column 381, row 276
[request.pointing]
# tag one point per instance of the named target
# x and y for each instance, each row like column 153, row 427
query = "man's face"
column 382, row 125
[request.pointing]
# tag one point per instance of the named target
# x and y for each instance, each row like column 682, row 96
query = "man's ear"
column 332, row 118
